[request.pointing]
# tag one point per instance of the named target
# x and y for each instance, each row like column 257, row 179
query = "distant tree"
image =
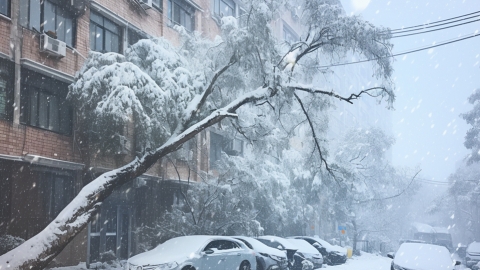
column 464, row 191
column 371, row 190
column 472, row 138
column 172, row 94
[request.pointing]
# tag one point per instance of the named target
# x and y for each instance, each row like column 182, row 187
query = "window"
column 221, row 245
column 224, row 8
column 134, row 36
column 105, row 35
column 6, row 89
column 158, row 4
column 5, row 7
column 44, row 103
column 53, row 18
column 180, row 12
column 219, row 144
column 289, row 35
column 57, row 190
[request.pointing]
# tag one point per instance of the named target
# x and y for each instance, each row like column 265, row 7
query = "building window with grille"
column 50, row 17
column 224, row 8
column 57, row 189
column 105, row 35
column 5, row 7
column 44, row 103
column 289, row 35
column 6, row 89
column 181, row 13
column 219, row 144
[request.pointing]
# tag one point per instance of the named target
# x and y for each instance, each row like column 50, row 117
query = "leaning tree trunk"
column 38, row 251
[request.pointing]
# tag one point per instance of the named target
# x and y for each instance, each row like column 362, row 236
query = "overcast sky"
column 432, row 86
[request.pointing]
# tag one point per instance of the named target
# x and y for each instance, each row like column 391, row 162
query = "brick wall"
column 5, row 24
column 22, row 140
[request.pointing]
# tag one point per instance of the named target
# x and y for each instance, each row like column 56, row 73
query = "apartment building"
column 42, row 167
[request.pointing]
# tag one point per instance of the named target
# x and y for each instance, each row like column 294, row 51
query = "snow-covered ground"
column 365, row 262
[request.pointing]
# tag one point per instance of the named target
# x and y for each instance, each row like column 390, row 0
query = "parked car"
column 473, row 254
column 308, row 252
column 332, row 255
column 281, row 244
column 268, row 258
column 196, row 252
column 420, row 256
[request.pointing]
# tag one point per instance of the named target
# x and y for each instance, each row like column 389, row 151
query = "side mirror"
column 458, row 262
column 391, row 255
column 209, row 251
column 280, row 247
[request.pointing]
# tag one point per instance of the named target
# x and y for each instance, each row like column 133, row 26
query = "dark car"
column 268, row 258
column 332, row 255
column 284, row 245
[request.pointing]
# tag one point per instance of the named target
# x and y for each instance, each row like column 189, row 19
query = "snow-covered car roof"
column 474, row 247
column 328, row 247
column 261, row 247
column 177, row 249
column 423, row 256
column 422, row 227
column 303, row 246
column 284, row 242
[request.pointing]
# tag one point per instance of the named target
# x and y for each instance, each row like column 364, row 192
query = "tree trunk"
column 355, row 236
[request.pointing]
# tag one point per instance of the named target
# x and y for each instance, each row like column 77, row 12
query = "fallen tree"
column 174, row 94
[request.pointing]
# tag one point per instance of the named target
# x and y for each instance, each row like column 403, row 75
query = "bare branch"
column 349, row 99
column 391, row 197
column 322, row 158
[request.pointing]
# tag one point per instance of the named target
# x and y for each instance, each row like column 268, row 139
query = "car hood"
column 423, row 257
column 155, row 257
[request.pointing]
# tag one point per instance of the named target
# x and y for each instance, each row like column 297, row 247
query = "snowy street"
column 365, row 262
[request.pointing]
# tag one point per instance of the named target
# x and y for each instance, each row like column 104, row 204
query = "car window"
column 215, row 244
column 246, row 243
column 222, row 245
column 273, row 244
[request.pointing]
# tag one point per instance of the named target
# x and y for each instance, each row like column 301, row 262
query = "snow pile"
column 366, row 261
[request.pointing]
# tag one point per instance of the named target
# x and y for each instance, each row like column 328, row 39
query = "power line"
column 433, row 30
column 403, row 53
column 436, row 22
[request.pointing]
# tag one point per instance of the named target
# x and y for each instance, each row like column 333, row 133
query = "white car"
column 472, row 256
column 267, row 258
column 420, row 256
column 195, row 252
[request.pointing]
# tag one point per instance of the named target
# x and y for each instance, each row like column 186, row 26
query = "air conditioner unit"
column 237, row 145
column 146, row 4
column 51, row 46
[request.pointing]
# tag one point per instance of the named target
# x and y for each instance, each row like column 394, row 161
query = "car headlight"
column 276, row 258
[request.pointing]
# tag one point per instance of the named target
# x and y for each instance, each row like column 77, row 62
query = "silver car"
column 195, row 252
column 472, row 256
column 267, row 258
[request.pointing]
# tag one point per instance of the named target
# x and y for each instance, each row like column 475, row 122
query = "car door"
column 234, row 255
column 215, row 260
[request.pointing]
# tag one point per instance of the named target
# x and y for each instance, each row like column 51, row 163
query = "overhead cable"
column 406, row 52
column 433, row 30
column 432, row 23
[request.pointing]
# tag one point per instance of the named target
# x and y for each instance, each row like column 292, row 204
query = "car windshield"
column 423, row 256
